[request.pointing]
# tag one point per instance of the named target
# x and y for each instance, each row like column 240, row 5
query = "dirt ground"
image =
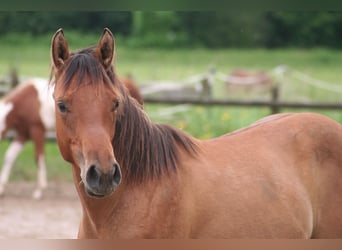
column 55, row 216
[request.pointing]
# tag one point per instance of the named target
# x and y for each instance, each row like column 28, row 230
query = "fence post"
column 207, row 83
column 206, row 89
column 14, row 79
column 274, row 99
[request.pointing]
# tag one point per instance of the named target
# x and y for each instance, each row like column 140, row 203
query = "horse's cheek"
column 63, row 144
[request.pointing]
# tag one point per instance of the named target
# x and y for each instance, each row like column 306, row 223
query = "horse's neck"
column 132, row 206
column 96, row 212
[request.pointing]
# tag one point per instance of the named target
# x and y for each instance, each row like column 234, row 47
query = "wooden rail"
column 271, row 104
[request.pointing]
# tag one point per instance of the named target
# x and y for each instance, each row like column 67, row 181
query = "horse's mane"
column 143, row 149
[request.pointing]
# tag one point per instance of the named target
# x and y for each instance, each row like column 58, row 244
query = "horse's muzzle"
column 99, row 184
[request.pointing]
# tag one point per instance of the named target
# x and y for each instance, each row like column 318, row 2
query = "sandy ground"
column 55, row 216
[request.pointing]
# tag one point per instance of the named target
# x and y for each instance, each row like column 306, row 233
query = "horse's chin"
column 91, row 194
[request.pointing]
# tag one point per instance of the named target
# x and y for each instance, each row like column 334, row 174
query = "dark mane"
column 144, row 149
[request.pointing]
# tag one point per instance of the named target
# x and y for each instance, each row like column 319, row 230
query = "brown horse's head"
column 87, row 103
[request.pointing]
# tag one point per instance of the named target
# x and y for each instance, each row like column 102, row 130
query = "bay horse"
column 278, row 178
column 28, row 109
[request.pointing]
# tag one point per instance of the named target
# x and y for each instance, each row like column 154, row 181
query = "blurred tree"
column 137, row 23
column 213, row 29
column 220, row 29
column 43, row 22
column 303, row 29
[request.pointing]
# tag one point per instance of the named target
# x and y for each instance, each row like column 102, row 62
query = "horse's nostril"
column 116, row 174
column 93, row 176
column 100, row 183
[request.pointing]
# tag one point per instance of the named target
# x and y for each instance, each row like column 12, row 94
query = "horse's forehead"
column 86, row 90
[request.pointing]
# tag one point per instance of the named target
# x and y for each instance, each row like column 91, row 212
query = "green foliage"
column 220, row 29
column 37, row 23
column 25, row 167
column 211, row 29
column 207, row 122
column 303, row 29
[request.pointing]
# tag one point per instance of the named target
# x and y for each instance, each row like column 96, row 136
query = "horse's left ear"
column 59, row 49
column 105, row 48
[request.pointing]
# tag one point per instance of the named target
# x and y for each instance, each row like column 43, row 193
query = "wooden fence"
column 274, row 105
column 202, row 85
column 206, row 81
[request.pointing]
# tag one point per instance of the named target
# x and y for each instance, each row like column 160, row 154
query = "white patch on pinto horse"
column 42, row 179
column 5, row 108
column 10, row 156
column 47, row 107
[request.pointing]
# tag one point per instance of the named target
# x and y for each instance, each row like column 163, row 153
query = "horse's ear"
column 59, row 49
column 105, row 48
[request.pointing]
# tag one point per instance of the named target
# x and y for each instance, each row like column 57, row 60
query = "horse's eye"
column 62, row 107
column 115, row 106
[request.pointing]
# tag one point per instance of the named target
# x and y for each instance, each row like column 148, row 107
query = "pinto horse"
column 28, row 110
column 278, row 178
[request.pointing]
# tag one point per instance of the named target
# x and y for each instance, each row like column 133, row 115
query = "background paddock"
column 56, row 216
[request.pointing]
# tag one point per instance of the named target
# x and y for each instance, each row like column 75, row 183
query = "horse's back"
column 279, row 178
column 33, row 102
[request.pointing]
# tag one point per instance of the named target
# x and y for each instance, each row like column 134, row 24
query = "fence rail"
column 270, row 104
column 50, row 136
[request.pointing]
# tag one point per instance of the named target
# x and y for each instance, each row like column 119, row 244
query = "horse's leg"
column 38, row 138
column 10, row 156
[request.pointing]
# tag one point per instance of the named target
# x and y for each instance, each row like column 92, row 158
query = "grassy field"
column 30, row 56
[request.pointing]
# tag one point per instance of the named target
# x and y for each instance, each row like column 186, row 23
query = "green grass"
column 25, row 167
column 30, row 56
